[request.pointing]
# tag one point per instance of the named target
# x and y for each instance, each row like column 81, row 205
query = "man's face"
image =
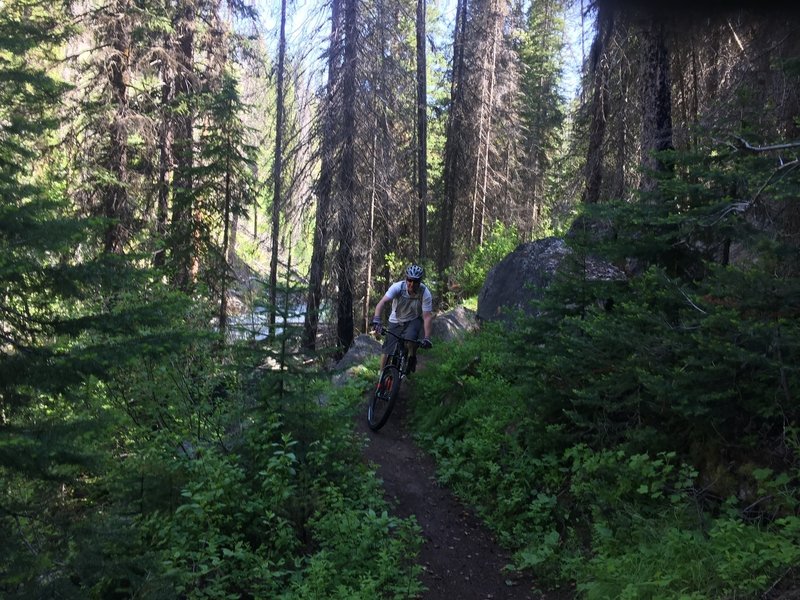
column 412, row 285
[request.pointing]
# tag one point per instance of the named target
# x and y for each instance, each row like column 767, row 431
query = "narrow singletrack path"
column 460, row 558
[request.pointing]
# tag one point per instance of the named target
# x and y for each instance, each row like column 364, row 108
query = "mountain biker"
column 412, row 310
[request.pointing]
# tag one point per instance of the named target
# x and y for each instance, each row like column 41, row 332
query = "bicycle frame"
column 392, row 374
column 399, row 358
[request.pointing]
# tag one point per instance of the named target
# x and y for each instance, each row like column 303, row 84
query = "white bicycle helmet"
column 415, row 272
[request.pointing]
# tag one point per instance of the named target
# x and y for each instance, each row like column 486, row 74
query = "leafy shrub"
column 501, row 241
column 586, row 438
column 277, row 517
column 362, row 554
column 658, row 559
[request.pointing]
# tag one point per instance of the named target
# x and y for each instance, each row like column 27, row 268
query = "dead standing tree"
column 324, row 183
column 277, row 173
column 345, row 257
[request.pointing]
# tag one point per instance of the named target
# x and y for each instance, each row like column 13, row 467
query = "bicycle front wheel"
column 382, row 402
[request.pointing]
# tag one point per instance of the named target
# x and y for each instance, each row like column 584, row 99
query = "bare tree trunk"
column 484, row 127
column 226, row 218
column 599, row 107
column 422, row 130
column 277, row 173
column 452, row 155
column 116, row 206
column 164, row 165
column 695, row 92
column 496, row 23
column 370, row 247
column 234, row 229
column 657, row 109
column 321, row 228
column 183, row 226
column 345, row 262
column 478, row 154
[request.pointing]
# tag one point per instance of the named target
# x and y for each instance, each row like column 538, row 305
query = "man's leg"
column 412, row 333
column 390, row 341
column 412, row 358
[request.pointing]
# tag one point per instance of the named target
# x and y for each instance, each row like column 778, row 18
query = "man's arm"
column 387, row 297
column 427, row 323
column 379, row 307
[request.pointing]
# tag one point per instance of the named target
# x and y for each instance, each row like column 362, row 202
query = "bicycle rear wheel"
column 382, row 402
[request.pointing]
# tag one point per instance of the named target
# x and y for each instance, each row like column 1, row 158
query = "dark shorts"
column 408, row 330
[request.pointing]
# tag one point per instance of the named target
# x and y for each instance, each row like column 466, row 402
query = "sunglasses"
column 412, row 280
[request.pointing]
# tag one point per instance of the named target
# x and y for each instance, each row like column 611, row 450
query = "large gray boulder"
column 352, row 363
column 525, row 274
column 454, row 324
column 364, row 346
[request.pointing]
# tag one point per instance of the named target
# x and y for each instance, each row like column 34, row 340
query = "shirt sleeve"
column 395, row 290
column 427, row 301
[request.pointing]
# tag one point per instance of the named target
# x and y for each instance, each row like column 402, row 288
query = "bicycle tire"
column 384, row 398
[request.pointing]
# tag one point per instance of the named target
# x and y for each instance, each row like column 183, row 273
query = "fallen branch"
column 749, row 146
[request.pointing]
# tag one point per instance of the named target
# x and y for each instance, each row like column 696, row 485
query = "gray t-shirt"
column 406, row 307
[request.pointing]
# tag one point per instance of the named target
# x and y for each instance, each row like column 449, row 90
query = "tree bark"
column 657, row 104
column 116, row 201
column 453, row 162
column 164, row 165
column 345, row 262
column 599, row 107
column 277, row 174
column 183, row 232
column 422, row 130
column 371, row 228
column 325, row 190
column 226, row 226
column 497, row 18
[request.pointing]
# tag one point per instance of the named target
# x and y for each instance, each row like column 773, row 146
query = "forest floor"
column 461, row 559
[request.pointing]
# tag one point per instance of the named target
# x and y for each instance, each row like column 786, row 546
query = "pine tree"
column 224, row 185
column 65, row 321
column 481, row 156
column 542, row 106
column 277, row 169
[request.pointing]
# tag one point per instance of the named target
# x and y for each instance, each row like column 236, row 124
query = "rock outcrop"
column 454, row 324
column 363, row 347
column 522, row 277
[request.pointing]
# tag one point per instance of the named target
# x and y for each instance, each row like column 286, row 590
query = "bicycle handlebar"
column 385, row 330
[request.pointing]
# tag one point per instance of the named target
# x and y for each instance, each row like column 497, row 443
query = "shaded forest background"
column 171, row 170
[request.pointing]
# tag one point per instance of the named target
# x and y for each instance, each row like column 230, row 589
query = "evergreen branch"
column 691, row 302
column 743, row 206
column 16, row 516
column 786, row 168
column 736, row 207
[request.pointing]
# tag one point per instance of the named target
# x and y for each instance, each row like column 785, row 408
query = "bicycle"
column 393, row 373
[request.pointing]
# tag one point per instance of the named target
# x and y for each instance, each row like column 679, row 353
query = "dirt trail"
column 460, row 557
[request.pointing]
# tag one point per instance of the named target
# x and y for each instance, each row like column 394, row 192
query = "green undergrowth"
column 647, row 451
column 293, row 513
column 234, row 491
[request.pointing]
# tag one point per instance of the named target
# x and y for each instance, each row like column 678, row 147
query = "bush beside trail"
column 618, row 452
